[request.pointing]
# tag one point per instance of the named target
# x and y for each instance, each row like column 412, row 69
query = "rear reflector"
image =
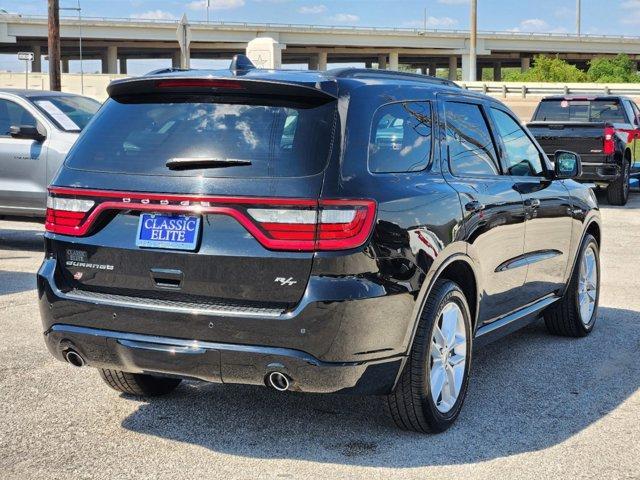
column 277, row 223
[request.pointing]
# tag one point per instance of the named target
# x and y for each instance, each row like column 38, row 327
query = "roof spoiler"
column 190, row 83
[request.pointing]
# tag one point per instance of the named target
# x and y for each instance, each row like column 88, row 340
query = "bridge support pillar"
column 466, row 67
column 65, row 65
column 110, row 60
column 322, row 61
column 266, row 52
column 525, row 64
column 433, row 69
column 453, row 67
column 175, row 59
column 497, row 71
column 382, row 62
column 36, row 66
column 479, row 69
column 313, row 62
column 123, row 65
column 394, row 61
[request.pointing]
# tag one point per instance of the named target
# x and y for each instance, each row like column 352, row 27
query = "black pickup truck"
column 604, row 130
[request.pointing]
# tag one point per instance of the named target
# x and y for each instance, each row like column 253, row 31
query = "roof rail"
column 369, row 72
column 162, row 71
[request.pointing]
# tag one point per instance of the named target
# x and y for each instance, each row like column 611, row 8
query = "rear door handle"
column 532, row 202
column 474, row 207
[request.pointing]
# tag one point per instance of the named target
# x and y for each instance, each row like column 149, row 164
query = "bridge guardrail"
column 525, row 90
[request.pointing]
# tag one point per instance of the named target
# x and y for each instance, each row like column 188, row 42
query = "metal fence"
column 524, row 90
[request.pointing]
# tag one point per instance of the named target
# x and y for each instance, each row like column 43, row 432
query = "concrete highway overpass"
column 115, row 40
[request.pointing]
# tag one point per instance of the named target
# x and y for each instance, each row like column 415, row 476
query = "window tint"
column 558, row 110
column 400, row 138
column 279, row 139
column 70, row 113
column 12, row 114
column 521, row 157
column 471, row 149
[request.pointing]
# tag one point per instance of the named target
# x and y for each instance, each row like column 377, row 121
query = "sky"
column 611, row 17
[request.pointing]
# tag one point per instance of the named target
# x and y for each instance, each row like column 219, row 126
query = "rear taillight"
column 65, row 215
column 334, row 225
column 609, row 147
column 277, row 223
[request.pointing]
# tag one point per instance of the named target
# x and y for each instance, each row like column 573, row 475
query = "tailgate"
column 586, row 139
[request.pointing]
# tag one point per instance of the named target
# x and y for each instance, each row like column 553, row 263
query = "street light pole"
column 473, row 41
column 53, row 46
column 208, row 6
column 578, row 16
column 79, row 10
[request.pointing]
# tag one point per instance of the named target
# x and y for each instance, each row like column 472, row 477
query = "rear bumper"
column 600, row 172
column 219, row 362
column 353, row 345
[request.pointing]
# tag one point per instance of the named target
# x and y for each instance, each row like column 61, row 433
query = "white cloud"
column 344, row 18
column 312, row 9
column 215, row 4
column 154, row 15
column 632, row 17
column 534, row 25
column 433, row 22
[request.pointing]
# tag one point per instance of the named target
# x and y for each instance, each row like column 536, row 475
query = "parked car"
column 37, row 129
column 604, row 130
column 192, row 242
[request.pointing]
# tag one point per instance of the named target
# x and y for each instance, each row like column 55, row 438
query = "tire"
column 618, row 190
column 565, row 317
column 411, row 406
column 138, row 384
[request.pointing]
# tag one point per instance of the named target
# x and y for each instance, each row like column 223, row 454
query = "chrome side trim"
column 527, row 259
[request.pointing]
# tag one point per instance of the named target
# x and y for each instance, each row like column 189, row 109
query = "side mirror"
column 567, row 165
column 27, row 132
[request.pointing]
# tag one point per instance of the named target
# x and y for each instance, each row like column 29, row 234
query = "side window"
column 471, row 148
column 12, row 114
column 521, row 157
column 636, row 113
column 400, row 139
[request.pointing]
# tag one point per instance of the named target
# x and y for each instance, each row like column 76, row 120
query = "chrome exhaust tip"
column 278, row 381
column 74, row 358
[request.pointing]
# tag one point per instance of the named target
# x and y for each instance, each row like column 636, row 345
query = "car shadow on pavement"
column 16, row 282
column 29, row 240
column 528, row 392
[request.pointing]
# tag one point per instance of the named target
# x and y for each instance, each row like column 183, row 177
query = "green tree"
column 548, row 69
column 618, row 69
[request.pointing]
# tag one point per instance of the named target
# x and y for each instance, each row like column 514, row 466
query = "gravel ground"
column 538, row 406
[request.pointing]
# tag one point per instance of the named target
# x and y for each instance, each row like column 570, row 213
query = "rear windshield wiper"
column 204, row 162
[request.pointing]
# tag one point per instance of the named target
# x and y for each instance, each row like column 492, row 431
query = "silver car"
column 37, row 129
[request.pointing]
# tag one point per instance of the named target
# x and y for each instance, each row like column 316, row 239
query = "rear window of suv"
column 565, row 110
column 281, row 139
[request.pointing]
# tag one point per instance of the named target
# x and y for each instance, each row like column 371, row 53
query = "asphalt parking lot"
column 538, row 407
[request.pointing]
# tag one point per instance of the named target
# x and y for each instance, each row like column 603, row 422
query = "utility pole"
column 54, row 46
column 208, row 6
column 473, row 41
column 578, row 17
column 425, row 19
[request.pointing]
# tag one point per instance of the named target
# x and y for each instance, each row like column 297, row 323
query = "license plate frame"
column 154, row 232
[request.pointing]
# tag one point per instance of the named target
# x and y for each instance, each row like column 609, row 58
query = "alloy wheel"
column 588, row 285
column 448, row 357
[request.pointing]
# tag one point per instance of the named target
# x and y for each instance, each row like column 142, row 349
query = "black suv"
column 349, row 231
